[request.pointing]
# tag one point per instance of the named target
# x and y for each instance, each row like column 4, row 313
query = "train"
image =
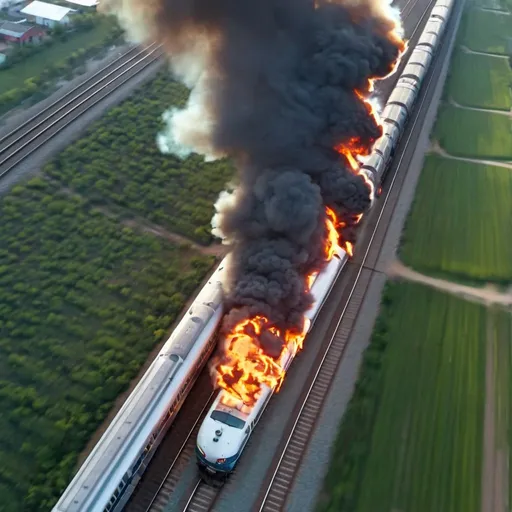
column 229, row 422
column 109, row 475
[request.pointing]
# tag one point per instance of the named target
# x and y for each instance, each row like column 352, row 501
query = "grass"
column 487, row 31
column 502, row 337
column 421, row 448
column 469, row 133
column 461, row 221
column 34, row 65
column 83, row 300
column 490, row 87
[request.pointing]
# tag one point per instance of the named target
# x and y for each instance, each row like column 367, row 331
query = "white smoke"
column 227, row 201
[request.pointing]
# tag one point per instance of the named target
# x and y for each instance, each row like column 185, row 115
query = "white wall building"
column 47, row 14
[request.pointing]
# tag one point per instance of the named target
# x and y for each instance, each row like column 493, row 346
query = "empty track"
column 39, row 129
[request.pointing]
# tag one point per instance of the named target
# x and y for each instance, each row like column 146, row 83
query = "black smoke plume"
column 274, row 85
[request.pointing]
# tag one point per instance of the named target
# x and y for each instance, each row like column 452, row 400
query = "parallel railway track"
column 296, row 442
column 16, row 146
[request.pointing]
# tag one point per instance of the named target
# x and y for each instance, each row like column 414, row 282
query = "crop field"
column 426, row 361
column 490, row 87
column 83, row 300
column 118, row 164
column 473, row 134
column 486, row 31
column 501, row 332
column 461, row 220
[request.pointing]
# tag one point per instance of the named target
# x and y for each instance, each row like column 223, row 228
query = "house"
column 17, row 33
column 47, row 14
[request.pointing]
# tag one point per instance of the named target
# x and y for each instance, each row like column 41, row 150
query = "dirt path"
column 436, row 148
column 507, row 113
column 155, row 229
column 487, row 54
column 488, row 295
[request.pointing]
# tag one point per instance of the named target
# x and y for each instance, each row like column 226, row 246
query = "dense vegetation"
column 31, row 70
column 469, row 133
column 400, row 440
column 118, row 162
column 490, row 87
column 461, row 221
column 84, row 300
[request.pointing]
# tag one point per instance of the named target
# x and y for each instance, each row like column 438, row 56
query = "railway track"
column 201, row 498
column 296, row 442
column 39, row 129
column 157, row 495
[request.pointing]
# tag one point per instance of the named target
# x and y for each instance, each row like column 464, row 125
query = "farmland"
column 118, row 163
column 486, row 31
column 461, row 221
column 469, row 133
column 490, row 87
column 400, row 439
column 85, row 297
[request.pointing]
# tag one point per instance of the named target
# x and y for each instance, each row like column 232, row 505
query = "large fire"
column 245, row 366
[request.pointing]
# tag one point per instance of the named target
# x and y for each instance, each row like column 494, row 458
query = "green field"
column 485, row 31
column 490, row 86
column 83, row 300
column 119, row 164
column 35, row 65
column 501, row 331
column 411, row 439
column 461, row 221
column 474, row 134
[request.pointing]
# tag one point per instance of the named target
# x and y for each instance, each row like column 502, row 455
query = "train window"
column 228, row 419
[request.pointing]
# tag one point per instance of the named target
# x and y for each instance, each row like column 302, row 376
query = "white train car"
column 229, row 422
column 109, row 475
column 400, row 104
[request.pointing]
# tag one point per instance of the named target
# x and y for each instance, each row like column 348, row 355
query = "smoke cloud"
column 276, row 85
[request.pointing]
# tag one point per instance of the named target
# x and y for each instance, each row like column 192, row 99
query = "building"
column 17, row 33
column 47, row 14
column 84, row 3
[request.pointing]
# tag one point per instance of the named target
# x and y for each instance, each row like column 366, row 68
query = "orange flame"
column 246, row 367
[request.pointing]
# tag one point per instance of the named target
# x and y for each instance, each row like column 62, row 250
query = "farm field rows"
column 460, row 222
column 411, row 438
column 490, row 87
column 472, row 134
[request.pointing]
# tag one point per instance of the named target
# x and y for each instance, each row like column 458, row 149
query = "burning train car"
column 232, row 418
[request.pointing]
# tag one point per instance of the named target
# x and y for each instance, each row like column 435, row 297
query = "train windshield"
column 228, row 419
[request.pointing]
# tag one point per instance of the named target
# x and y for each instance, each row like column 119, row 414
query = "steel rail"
column 178, row 455
column 202, row 498
column 46, row 109
column 419, row 110
column 4, row 172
